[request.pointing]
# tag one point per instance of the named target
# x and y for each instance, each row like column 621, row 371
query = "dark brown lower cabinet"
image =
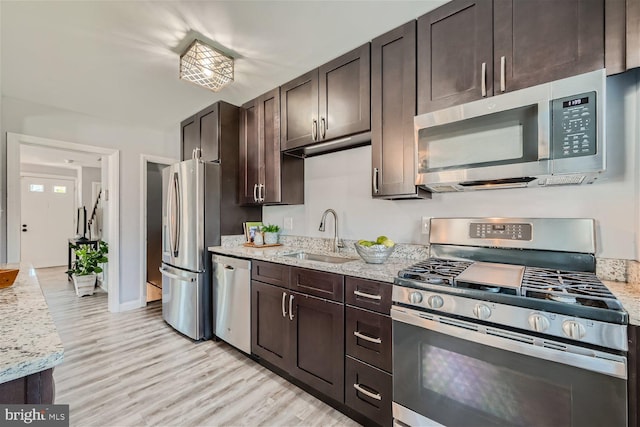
column 368, row 337
column 269, row 338
column 301, row 335
column 368, row 390
column 36, row 389
column 317, row 344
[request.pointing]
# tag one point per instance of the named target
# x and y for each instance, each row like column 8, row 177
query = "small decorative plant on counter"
column 271, row 233
column 87, row 266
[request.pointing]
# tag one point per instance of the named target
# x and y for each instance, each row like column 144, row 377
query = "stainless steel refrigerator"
column 200, row 203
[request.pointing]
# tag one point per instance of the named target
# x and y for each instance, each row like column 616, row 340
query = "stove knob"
column 482, row 311
column 435, row 301
column 415, row 297
column 573, row 329
column 538, row 322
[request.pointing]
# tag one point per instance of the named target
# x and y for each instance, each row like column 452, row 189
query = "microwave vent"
column 565, row 180
column 442, row 188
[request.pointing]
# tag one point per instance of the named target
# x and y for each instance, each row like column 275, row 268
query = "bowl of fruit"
column 375, row 251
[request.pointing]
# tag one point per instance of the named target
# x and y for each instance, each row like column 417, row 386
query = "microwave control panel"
column 574, row 126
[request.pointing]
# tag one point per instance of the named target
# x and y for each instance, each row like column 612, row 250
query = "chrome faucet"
column 336, row 241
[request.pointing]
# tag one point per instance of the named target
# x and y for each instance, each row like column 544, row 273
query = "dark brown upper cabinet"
column 330, row 102
column 266, row 175
column 622, row 35
column 469, row 49
column 202, row 131
column 393, row 106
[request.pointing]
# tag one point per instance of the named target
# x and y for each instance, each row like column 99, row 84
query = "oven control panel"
column 490, row 230
column 574, row 126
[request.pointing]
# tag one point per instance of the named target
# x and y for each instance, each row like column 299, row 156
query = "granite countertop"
column 627, row 293
column 29, row 342
column 357, row 267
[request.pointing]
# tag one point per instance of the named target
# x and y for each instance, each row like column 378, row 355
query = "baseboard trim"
column 129, row 305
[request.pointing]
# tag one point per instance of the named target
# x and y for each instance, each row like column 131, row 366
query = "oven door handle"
column 591, row 360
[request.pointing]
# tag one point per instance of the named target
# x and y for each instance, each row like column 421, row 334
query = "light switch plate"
column 425, row 224
column 288, row 223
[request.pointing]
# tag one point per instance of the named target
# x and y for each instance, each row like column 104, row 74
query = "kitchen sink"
column 309, row 256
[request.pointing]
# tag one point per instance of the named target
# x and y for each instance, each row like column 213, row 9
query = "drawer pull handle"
column 367, row 338
column 284, row 310
column 365, row 295
column 367, row 393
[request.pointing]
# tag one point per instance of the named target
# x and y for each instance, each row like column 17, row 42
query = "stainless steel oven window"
column 457, row 381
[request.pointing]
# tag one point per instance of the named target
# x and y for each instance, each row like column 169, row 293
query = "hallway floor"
column 132, row 369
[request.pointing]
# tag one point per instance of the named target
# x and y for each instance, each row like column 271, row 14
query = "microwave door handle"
column 483, row 81
column 544, row 130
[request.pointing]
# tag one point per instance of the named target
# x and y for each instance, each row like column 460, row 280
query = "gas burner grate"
column 435, row 271
column 572, row 287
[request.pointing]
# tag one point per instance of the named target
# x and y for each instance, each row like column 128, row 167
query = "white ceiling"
column 118, row 60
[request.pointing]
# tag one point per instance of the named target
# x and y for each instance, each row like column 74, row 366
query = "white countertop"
column 29, row 342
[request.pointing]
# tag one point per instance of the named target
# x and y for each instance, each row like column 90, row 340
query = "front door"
column 46, row 219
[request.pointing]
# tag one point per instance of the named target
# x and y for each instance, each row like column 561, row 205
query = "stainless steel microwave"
column 550, row 134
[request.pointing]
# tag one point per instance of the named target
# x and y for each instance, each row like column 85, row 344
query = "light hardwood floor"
column 131, row 369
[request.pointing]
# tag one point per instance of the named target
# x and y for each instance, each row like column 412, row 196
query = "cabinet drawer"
column 368, row 337
column 368, row 390
column 368, row 294
column 267, row 272
column 317, row 283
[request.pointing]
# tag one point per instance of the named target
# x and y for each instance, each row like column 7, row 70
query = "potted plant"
column 87, row 266
column 271, row 233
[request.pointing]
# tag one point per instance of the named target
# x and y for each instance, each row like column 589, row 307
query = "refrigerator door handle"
column 175, row 276
column 176, row 221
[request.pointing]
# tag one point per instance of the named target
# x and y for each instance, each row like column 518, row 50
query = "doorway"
column 109, row 159
column 46, row 220
column 151, row 226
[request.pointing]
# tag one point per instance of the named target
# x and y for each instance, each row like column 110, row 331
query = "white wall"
column 342, row 181
column 37, row 120
column 48, row 170
column 89, row 175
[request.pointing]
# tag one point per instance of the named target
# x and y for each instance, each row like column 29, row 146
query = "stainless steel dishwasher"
column 232, row 300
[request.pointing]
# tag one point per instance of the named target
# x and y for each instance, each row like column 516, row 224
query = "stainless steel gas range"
column 507, row 324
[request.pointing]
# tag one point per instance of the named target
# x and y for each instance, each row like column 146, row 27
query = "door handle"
column 255, row 192
column 375, row 181
column 175, row 276
column 314, row 130
column 503, row 74
column 483, row 81
column 261, row 192
column 177, row 220
column 323, row 127
column 375, row 396
column 290, row 307
column 367, row 338
column 230, row 268
column 284, row 309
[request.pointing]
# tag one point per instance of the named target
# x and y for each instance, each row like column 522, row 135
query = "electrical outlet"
column 288, row 223
column 425, row 224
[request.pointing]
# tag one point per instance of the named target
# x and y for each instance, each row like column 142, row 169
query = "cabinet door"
column 209, row 126
column 393, row 106
column 269, row 135
column 454, row 41
column 270, row 323
column 299, row 111
column 189, row 137
column 250, row 153
column 317, row 340
column 541, row 43
column 345, row 95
